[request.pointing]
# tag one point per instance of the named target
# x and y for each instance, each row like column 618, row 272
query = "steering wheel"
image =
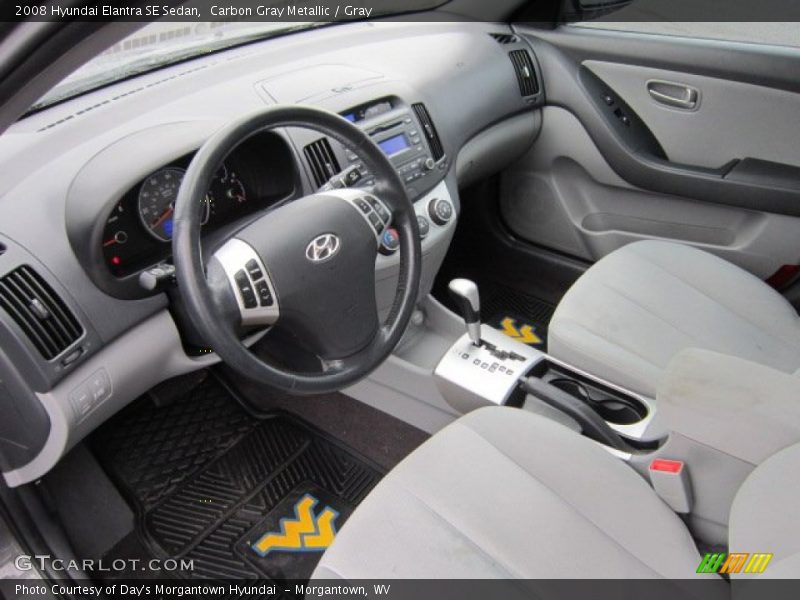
column 307, row 266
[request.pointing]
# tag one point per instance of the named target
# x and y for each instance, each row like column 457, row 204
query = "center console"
column 486, row 367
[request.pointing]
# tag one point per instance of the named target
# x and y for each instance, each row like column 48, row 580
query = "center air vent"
column 38, row 311
column 526, row 74
column 430, row 131
column 322, row 160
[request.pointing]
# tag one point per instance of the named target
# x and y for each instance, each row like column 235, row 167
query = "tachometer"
column 157, row 197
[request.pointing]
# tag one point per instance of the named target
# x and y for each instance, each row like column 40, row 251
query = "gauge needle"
column 110, row 242
column 164, row 216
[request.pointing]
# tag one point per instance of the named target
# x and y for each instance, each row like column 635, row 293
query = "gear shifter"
column 465, row 293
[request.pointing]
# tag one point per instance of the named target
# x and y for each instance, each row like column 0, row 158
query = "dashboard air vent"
column 38, row 311
column 430, row 131
column 526, row 74
column 322, row 160
column 505, row 38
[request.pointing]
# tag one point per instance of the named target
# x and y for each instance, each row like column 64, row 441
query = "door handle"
column 676, row 95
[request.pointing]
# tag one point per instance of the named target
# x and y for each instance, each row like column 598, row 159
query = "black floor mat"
column 208, row 481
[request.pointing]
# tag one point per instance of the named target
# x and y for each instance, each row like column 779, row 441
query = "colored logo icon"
column 306, row 532
column 734, row 562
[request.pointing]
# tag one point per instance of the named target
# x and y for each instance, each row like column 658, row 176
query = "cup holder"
column 614, row 409
column 613, row 406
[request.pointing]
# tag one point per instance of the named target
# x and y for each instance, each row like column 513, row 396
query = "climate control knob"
column 429, row 164
column 440, row 211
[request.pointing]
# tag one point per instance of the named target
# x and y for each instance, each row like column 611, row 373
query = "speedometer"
column 157, row 197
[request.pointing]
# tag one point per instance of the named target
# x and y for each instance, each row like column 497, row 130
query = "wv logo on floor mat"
column 525, row 334
column 722, row 562
column 304, row 533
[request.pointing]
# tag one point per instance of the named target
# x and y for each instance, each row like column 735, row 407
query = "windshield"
column 159, row 44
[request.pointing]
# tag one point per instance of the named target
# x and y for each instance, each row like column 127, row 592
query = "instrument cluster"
column 138, row 231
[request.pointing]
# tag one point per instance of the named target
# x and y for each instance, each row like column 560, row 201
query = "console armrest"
column 736, row 406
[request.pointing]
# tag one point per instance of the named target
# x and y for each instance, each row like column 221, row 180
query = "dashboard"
column 258, row 175
column 95, row 178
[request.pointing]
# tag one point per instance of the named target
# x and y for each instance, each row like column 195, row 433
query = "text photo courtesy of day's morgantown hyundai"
column 403, row 300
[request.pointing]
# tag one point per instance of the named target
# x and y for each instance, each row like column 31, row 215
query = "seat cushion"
column 505, row 493
column 631, row 312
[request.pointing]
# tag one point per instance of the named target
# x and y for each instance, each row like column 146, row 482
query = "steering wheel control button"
column 363, row 205
column 264, row 295
column 246, row 289
column 390, row 241
column 424, row 226
column 250, row 283
column 376, row 222
column 379, row 208
column 254, row 269
column 440, row 211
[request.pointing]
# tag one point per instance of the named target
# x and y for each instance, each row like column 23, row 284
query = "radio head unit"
column 413, row 147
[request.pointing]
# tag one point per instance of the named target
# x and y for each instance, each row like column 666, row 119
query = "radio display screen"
column 393, row 145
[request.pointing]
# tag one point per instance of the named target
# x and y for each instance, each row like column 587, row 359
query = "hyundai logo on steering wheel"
column 323, row 247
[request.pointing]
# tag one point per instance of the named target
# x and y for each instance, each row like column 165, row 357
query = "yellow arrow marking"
column 524, row 334
column 303, row 532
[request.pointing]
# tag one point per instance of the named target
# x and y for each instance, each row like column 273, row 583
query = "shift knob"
column 465, row 293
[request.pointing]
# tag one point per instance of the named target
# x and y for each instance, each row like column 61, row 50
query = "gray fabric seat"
column 505, row 493
column 631, row 312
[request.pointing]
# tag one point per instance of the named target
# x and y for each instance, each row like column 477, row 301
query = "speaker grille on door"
column 322, row 160
column 38, row 311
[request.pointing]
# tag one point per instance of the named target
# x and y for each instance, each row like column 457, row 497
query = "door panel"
column 731, row 120
column 590, row 185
